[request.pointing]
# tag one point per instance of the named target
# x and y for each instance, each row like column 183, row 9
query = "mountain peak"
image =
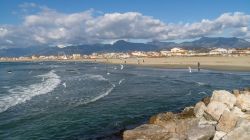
column 120, row 42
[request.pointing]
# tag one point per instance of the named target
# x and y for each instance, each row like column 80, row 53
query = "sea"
column 88, row 101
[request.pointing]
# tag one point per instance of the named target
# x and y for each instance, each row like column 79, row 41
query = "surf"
column 98, row 97
column 21, row 94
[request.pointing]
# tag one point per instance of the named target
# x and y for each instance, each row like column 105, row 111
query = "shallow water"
column 74, row 100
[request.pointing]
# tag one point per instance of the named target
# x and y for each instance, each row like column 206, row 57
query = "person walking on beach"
column 199, row 66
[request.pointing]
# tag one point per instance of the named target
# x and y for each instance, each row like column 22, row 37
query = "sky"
column 63, row 22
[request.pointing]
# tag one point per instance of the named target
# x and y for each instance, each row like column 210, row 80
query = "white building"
column 139, row 54
column 178, row 51
column 76, row 56
column 218, row 51
column 165, row 53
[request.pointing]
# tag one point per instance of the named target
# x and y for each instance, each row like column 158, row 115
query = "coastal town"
column 173, row 52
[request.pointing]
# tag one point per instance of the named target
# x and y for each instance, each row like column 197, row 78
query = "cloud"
column 49, row 27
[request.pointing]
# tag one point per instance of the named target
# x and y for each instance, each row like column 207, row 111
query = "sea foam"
column 21, row 94
column 98, row 97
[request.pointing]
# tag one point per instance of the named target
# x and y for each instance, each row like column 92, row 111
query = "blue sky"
column 165, row 10
column 65, row 22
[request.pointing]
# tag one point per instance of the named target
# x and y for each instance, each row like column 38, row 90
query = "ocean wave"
column 88, row 77
column 99, row 96
column 200, row 83
column 121, row 81
column 21, row 94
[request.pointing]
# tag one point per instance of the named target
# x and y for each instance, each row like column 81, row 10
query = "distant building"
column 76, row 56
column 165, row 53
column 139, row 54
column 153, row 54
column 231, row 51
column 34, row 57
column 218, row 51
column 124, row 55
column 178, row 51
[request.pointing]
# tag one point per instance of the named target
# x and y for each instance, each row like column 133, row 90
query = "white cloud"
column 3, row 32
column 51, row 27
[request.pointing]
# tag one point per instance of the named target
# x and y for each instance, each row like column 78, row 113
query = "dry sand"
column 230, row 63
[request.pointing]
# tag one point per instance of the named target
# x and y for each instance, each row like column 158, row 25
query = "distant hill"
column 203, row 44
column 218, row 42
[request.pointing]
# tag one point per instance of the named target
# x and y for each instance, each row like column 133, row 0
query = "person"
column 199, row 66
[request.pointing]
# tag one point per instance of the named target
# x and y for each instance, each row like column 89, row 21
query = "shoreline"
column 219, row 63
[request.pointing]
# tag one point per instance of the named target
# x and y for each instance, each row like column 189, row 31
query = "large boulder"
column 199, row 109
column 201, row 132
column 151, row 132
column 206, row 100
column 166, row 120
column 204, row 121
column 236, row 92
column 237, row 112
column 215, row 109
column 241, row 132
column 243, row 102
column 219, row 135
column 227, row 122
column 225, row 97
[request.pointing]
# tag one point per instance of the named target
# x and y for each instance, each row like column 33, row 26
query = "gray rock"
column 227, row 122
column 151, row 132
column 225, row 97
column 199, row 109
column 241, row 132
column 204, row 132
column 215, row 109
column 219, row 135
column 243, row 102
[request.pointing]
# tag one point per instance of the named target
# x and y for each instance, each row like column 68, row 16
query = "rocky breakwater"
column 223, row 116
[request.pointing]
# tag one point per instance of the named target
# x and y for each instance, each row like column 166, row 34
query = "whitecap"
column 203, row 92
column 122, row 67
column 93, row 77
column 99, row 96
column 120, row 82
column 201, row 84
column 21, row 94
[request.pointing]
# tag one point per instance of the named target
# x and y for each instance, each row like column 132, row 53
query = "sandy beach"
column 228, row 63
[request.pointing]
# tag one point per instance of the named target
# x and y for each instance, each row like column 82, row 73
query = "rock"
column 204, row 121
column 215, row 109
column 243, row 102
column 201, row 132
column 237, row 112
column 225, row 97
column 218, row 135
column 184, row 125
column 241, row 132
column 199, row 109
column 150, row 132
column 247, row 89
column 236, row 92
column 227, row 122
column 188, row 112
column 156, row 119
column 206, row 100
column 166, row 120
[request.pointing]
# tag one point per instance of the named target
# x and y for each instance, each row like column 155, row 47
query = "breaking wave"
column 99, row 96
column 88, row 77
column 22, row 94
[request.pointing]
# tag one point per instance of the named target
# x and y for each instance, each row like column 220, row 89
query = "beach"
column 225, row 63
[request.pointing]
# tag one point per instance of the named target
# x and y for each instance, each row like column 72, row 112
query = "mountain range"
column 202, row 44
